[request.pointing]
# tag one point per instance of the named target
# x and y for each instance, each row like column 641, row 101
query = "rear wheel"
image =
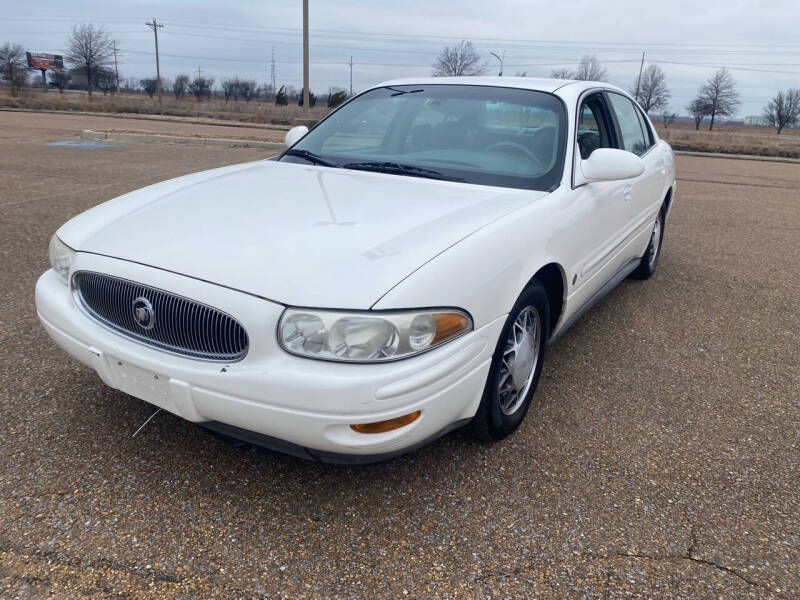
column 649, row 261
column 516, row 365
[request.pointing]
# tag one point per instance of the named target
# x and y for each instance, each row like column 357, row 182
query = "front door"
column 600, row 207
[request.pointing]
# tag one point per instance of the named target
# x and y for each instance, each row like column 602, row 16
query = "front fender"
column 484, row 273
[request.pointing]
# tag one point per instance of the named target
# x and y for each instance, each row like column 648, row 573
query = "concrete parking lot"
column 660, row 459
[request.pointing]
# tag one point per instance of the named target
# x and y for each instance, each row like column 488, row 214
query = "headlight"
column 61, row 257
column 368, row 336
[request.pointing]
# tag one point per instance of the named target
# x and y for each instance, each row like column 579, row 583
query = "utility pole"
column 199, row 73
column 116, row 70
column 272, row 70
column 351, row 75
column 155, row 26
column 639, row 79
column 306, row 95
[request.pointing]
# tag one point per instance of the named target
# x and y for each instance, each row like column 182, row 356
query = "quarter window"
column 630, row 127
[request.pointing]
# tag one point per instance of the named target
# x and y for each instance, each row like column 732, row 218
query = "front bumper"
column 298, row 403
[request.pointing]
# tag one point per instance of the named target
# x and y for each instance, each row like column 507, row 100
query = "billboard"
column 43, row 61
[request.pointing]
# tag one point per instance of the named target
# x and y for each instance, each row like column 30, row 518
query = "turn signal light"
column 388, row 425
column 449, row 325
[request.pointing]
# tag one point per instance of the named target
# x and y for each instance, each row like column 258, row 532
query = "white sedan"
column 397, row 273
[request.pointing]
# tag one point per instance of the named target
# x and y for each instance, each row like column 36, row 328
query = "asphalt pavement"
column 660, row 458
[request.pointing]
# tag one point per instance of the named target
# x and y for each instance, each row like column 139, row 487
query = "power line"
column 670, row 62
column 588, row 48
column 386, row 35
column 224, row 26
column 527, row 64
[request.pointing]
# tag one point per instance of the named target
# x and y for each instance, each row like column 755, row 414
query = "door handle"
column 627, row 192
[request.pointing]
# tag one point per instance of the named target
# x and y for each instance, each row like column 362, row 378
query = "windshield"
column 477, row 134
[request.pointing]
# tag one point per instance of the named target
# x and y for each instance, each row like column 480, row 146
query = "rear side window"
column 648, row 131
column 630, row 126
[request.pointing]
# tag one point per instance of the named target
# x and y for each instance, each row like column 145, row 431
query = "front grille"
column 177, row 324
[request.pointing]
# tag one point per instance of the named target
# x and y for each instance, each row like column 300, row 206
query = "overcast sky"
column 759, row 41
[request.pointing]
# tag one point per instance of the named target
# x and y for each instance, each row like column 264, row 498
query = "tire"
column 647, row 266
column 501, row 412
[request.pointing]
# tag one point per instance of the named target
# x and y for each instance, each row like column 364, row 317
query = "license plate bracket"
column 141, row 383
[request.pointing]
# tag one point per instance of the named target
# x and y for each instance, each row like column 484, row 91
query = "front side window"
column 630, row 126
column 477, row 134
column 593, row 130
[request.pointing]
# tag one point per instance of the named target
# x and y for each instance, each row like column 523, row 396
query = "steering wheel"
column 588, row 142
column 527, row 152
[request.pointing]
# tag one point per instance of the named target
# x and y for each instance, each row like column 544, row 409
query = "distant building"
column 756, row 121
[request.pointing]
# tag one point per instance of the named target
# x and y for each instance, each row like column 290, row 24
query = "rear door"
column 642, row 195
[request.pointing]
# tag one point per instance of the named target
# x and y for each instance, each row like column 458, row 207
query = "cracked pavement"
column 660, row 458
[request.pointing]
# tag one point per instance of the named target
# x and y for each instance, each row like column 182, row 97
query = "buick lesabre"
column 398, row 272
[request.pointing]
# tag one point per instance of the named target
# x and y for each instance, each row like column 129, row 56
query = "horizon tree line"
column 90, row 50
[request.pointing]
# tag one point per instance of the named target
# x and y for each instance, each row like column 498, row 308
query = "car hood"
column 296, row 234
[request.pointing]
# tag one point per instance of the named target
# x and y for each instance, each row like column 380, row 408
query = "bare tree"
column 590, row 69
column 248, row 89
column 652, row 94
column 699, row 109
column 783, row 110
column 13, row 66
column 720, row 95
column 266, row 91
column 200, row 87
column 459, row 60
column 130, row 84
column 106, row 81
column 61, row 79
column 230, row 88
column 89, row 49
column 149, row 85
column 667, row 118
column 180, row 85
column 561, row 73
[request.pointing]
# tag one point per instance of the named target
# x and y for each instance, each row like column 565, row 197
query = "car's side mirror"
column 294, row 135
column 608, row 164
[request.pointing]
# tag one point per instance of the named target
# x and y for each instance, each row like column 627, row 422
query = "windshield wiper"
column 401, row 92
column 310, row 157
column 394, row 168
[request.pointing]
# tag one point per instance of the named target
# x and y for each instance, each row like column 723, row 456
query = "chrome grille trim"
column 182, row 326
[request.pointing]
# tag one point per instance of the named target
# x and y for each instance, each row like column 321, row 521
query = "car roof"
column 528, row 83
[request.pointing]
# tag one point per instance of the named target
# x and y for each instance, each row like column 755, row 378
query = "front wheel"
column 649, row 261
column 516, row 365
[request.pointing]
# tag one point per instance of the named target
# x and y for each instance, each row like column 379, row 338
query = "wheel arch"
column 667, row 200
column 553, row 278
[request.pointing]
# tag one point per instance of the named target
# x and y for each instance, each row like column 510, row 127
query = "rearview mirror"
column 295, row 134
column 608, row 164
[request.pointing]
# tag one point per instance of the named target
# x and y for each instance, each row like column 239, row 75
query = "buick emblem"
column 143, row 313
